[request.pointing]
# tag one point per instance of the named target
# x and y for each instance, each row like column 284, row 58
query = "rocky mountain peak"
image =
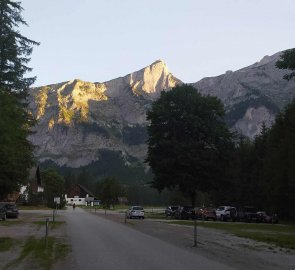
column 149, row 81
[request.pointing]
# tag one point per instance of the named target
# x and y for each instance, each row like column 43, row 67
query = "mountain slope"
column 76, row 119
column 251, row 95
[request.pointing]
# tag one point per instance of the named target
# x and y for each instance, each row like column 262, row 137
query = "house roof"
column 86, row 190
column 79, row 190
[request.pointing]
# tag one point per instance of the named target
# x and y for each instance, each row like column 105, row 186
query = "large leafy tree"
column 53, row 187
column 287, row 61
column 15, row 151
column 108, row 190
column 188, row 141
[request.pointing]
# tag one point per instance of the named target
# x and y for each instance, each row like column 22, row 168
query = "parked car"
column 268, row 218
column 225, row 213
column 135, row 212
column 184, row 212
column 207, row 213
column 2, row 211
column 248, row 214
column 170, row 210
column 11, row 211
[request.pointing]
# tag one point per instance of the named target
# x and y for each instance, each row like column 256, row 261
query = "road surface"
column 98, row 243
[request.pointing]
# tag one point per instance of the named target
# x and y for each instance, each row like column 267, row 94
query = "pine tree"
column 15, row 49
column 287, row 61
column 16, row 152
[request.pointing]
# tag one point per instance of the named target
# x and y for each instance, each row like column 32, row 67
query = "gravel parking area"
column 240, row 253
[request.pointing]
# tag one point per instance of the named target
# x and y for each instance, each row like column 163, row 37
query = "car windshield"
column 11, row 206
column 137, row 208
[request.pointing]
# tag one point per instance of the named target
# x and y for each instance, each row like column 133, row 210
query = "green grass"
column 154, row 215
column 32, row 207
column 10, row 222
column 279, row 235
column 42, row 256
column 6, row 243
column 52, row 225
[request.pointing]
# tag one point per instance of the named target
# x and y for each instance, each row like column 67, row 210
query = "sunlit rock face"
column 252, row 95
column 77, row 119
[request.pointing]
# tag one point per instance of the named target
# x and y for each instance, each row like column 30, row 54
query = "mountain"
column 77, row 119
column 251, row 95
column 80, row 122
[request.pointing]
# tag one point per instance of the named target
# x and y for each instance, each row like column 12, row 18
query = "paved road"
column 98, row 243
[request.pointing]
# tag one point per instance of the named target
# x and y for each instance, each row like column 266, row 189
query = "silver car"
column 135, row 212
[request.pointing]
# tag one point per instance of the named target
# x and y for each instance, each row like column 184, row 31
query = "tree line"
column 191, row 149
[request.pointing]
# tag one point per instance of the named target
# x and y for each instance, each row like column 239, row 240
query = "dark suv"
column 11, row 211
column 184, row 212
column 248, row 214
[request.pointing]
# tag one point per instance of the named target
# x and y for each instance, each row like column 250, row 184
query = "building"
column 79, row 195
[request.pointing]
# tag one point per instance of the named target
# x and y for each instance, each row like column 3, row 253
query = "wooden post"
column 46, row 231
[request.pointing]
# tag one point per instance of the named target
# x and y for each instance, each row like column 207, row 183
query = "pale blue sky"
column 99, row 40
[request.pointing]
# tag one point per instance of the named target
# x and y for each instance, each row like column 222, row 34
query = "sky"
column 100, row 40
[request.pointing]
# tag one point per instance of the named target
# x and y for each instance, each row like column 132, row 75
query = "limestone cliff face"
column 252, row 95
column 76, row 119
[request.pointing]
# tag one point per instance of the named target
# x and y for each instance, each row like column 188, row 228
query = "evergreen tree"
column 280, row 163
column 188, row 141
column 287, row 61
column 16, row 152
column 15, row 122
column 15, row 49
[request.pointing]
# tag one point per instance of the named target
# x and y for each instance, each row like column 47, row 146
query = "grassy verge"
column 40, row 255
column 279, row 235
column 32, row 207
column 11, row 222
column 155, row 215
column 52, row 225
column 6, row 243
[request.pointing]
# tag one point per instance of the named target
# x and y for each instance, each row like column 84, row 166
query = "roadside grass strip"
column 11, row 222
column 6, row 243
column 155, row 215
column 279, row 234
column 32, row 207
column 44, row 257
column 52, row 225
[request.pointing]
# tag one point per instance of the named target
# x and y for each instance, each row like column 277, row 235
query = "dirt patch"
column 31, row 223
column 238, row 252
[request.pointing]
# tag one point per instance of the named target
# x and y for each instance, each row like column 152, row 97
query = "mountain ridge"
column 78, row 119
